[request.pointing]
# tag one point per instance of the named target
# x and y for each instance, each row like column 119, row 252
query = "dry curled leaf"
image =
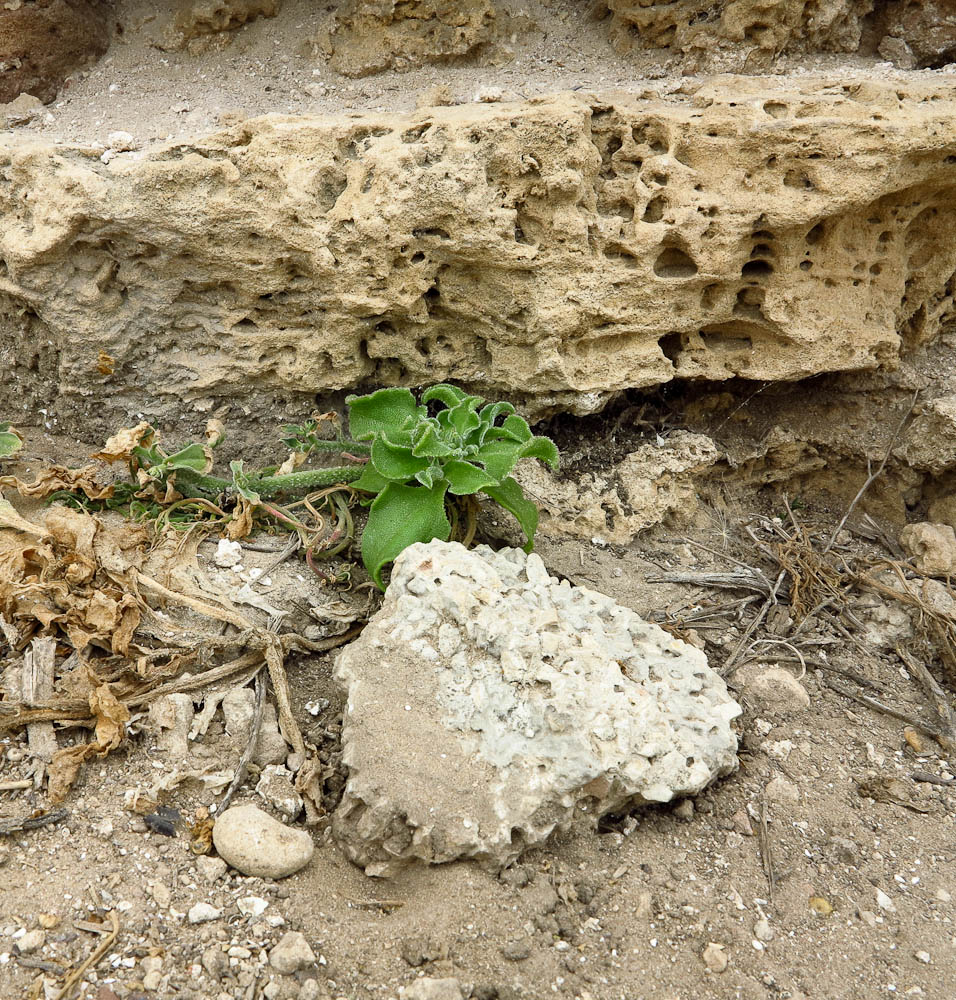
column 111, row 718
column 120, row 446
column 105, row 363
column 57, row 478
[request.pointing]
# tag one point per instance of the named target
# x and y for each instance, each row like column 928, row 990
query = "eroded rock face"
column 43, row 41
column 488, row 704
column 201, row 24
column 744, row 34
column 918, row 32
column 374, row 35
column 559, row 250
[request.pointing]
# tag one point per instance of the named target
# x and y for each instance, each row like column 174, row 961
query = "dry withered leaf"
column 111, row 718
column 241, row 524
column 58, row 477
column 105, row 363
column 120, row 446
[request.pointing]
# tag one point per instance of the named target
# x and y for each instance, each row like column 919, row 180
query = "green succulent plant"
column 417, row 460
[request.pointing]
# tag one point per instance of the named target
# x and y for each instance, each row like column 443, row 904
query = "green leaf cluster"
column 417, row 460
column 10, row 442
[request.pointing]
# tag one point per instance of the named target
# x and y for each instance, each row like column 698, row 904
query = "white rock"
column 31, row 941
column 714, row 957
column 558, row 702
column 120, row 142
column 291, row 954
column 254, row 843
column 228, row 553
column 201, row 913
column 275, row 787
column 771, row 689
column 252, row 906
column 923, row 956
column 932, row 547
column 211, row 869
column 432, row 989
column 884, row 902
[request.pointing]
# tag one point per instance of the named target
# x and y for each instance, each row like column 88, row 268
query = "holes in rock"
column 245, row 325
column 660, row 179
column 652, row 136
column 442, row 234
column 885, row 236
column 759, row 34
column 775, row 109
column 727, row 338
column 709, row 296
column 673, row 262
column 757, row 269
column 762, row 250
column 414, row 134
column 816, row 234
column 623, row 209
column 622, row 255
column 796, row 179
column 806, row 265
column 772, row 162
column 418, row 257
column 671, row 344
column 749, row 304
column 654, row 211
column 876, row 269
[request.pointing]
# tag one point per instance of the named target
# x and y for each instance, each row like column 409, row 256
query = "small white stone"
column 252, row 906
column 201, row 913
column 923, row 956
column 884, row 902
column 31, row 941
column 228, row 553
column 291, row 954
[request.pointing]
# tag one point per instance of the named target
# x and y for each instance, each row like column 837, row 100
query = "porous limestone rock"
column 489, row 703
column 929, row 442
column 374, row 35
column 931, row 546
column 738, row 34
column 43, row 41
column 560, row 250
column 656, row 482
column 200, row 24
column 917, row 32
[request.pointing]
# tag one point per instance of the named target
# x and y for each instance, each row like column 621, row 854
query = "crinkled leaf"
column 380, row 412
column 395, row 462
column 450, row 395
column 56, row 478
column 243, row 483
column 499, row 457
column 541, row 448
column 490, row 413
column 514, row 428
column 464, row 418
column 10, row 442
column 431, row 476
column 126, row 441
column 465, row 478
column 370, row 481
column 510, row 496
column 399, row 517
column 428, row 441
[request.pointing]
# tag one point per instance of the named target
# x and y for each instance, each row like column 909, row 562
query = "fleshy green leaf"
column 541, row 448
column 243, row 483
column 399, row 517
column 370, row 481
column 430, row 476
column 450, row 395
column 490, row 413
column 395, row 462
column 464, row 417
column 510, row 496
column 499, row 457
column 380, row 412
column 514, row 428
column 193, row 457
column 10, row 442
column 465, row 478
column 428, row 441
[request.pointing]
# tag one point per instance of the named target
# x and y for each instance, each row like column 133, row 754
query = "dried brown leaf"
column 58, row 477
column 120, row 446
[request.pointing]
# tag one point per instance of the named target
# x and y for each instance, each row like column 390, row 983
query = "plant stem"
column 269, row 485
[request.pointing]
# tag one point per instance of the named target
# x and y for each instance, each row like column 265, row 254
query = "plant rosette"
column 417, row 460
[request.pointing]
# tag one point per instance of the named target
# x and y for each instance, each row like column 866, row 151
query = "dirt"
column 822, row 869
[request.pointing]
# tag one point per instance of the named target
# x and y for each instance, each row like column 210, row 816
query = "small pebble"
column 685, row 810
column 714, row 957
column 433, row 989
column 203, row 912
column 31, row 941
column 291, row 954
column 884, row 902
column 517, row 950
column 211, row 869
column 923, row 956
column 762, row 930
